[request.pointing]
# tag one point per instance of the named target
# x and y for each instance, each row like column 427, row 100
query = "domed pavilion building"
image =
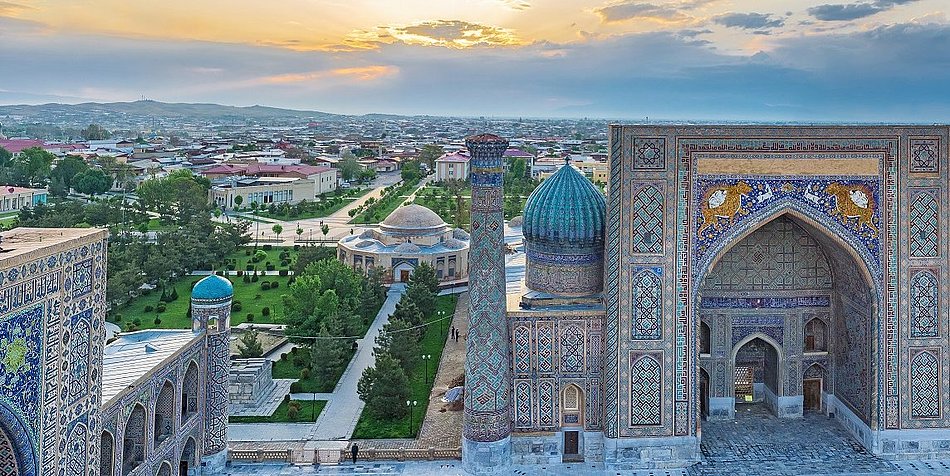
column 410, row 235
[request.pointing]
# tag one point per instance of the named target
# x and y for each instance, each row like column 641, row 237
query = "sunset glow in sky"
column 865, row 60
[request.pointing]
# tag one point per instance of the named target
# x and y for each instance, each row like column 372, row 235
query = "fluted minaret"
column 211, row 311
column 486, row 442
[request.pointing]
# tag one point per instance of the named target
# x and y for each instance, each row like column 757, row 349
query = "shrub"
column 258, row 296
column 246, row 278
column 265, row 285
column 149, row 308
column 265, row 312
column 136, row 322
column 287, row 398
column 158, row 321
column 293, row 350
column 219, row 273
column 174, row 295
column 268, row 247
column 296, row 247
column 293, row 412
column 275, row 285
column 250, row 317
column 254, row 278
column 282, row 272
column 117, row 317
column 240, row 272
column 304, row 373
column 270, row 267
column 160, row 307
column 230, row 267
column 249, row 267
column 283, row 357
column 146, row 292
column 284, row 263
column 296, row 387
column 247, row 252
column 236, row 307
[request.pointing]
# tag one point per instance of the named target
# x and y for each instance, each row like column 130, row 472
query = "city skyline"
column 696, row 59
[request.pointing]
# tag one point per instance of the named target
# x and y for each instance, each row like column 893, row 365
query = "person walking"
column 355, row 451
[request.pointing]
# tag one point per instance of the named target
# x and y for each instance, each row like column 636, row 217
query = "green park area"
column 324, row 206
column 289, row 411
column 376, row 210
column 419, row 378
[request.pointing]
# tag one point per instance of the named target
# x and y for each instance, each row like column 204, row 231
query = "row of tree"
column 385, row 386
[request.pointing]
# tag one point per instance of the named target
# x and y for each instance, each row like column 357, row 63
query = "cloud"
column 516, row 4
column 749, row 21
column 628, row 10
column 854, row 11
column 358, row 73
column 9, row 9
column 445, row 33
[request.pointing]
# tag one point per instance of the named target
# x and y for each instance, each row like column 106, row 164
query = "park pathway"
column 339, row 417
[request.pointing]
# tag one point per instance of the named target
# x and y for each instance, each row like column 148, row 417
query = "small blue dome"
column 212, row 287
column 565, row 209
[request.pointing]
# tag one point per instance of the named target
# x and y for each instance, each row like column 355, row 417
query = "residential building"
column 15, row 198
column 451, row 167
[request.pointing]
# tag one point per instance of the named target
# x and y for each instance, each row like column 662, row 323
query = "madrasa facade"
column 801, row 268
column 149, row 403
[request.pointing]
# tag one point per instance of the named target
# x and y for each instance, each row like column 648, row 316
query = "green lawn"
column 250, row 296
column 155, row 224
column 290, row 367
column 242, row 258
column 381, row 209
column 309, row 411
column 433, row 341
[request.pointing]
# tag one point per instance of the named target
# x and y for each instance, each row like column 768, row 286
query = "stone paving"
column 758, row 442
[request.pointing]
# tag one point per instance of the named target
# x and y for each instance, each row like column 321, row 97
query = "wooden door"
column 812, row 391
column 183, row 468
column 404, row 276
column 570, row 443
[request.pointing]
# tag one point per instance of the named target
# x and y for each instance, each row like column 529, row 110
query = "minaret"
column 211, row 311
column 486, row 442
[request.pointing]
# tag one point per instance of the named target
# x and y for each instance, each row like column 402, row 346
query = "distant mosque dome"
column 567, row 209
column 213, row 287
column 413, row 220
column 563, row 227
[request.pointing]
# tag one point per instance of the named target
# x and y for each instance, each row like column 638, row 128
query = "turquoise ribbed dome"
column 212, row 287
column 566, row 208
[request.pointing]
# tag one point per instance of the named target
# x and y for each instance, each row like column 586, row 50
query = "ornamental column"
column 211, row 312
column 486, row 441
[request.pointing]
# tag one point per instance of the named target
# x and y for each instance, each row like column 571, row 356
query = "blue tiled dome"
column 212, row 287
column 567, row 209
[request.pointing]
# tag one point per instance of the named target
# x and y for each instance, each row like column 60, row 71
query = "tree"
column 312, row 254
column 423, row 284
column 367, row 174
column 349, row 167
column 68, row 168
column 92, row 182
column 429, row 153
column 329, row 355
column 5, row 157
column 400, row 341
column 250, row 346
column 95, row 132
column 32, row 167
column 277, row 229
column 180, row 196
column 411, row 171
column 238, row 200
column 325, row 229
column 408, row 311
column 385, row 388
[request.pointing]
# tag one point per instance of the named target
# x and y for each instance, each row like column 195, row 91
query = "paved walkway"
column 759, row 443
column 339, row 417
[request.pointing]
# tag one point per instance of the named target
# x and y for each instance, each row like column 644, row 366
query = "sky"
column 755, row 60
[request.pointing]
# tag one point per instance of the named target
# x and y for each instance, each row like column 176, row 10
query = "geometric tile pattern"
column 645, row 391
column 924, row 155
column 545, row 353
column 522, row 350
column 924, row 299
column 572, row 349
column 523, row 404
column 648, row 221
column 8, row 462
column 649, row 153
column 546, row 404
column 924, row 226
column 647, row 302
column 925, row 386
column 487, row 413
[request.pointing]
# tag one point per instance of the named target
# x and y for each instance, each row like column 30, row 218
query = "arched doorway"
column 106, row 454
column 188, row 462
column 133, row 441
column 164, row 413
column 164, row 470
column 189, row 393
column 757, row 361
column 703, row 394
column 807, row 293
column 572, row 422
column 17, row 456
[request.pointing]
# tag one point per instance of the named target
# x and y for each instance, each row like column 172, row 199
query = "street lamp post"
column 442, row 322
column 410, row 404
column 426, row 358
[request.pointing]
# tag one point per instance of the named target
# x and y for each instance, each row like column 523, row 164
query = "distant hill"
column 149, row 108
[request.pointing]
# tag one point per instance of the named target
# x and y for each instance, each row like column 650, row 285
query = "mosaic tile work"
column 924, row 225
column 924, row 305
column 645, row 390
column 924, row 384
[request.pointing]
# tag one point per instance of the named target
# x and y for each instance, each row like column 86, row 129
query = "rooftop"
column 134, row 355
column 22, row 240
column 10, row 189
